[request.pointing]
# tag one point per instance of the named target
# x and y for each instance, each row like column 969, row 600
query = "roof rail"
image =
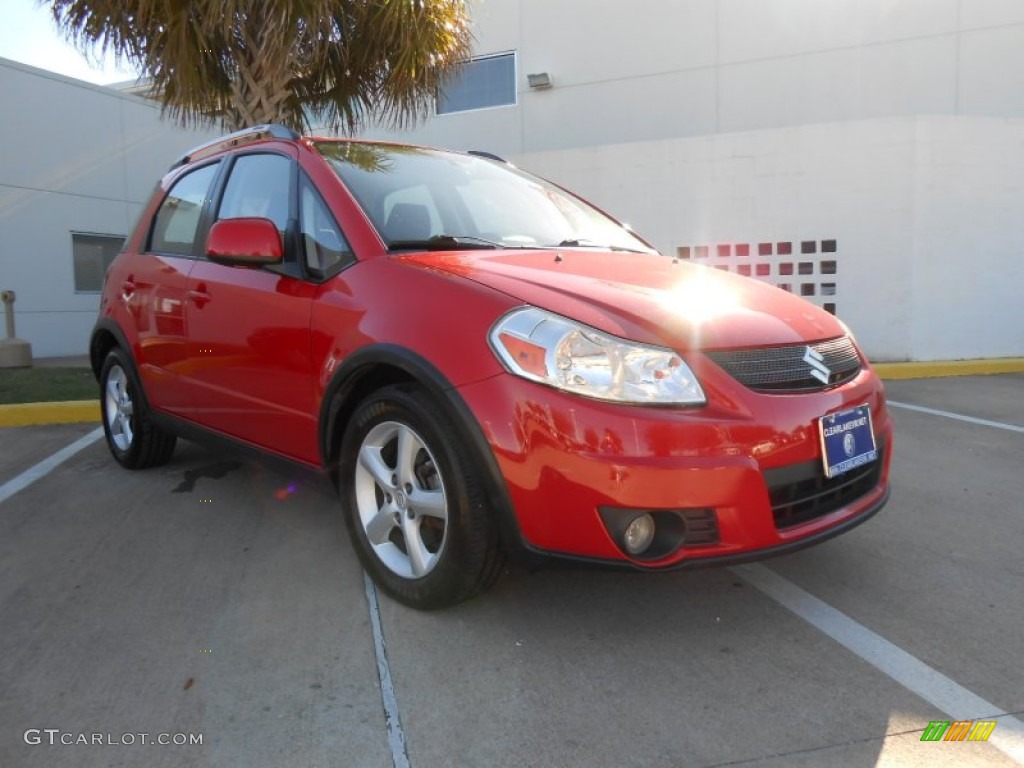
column 488, row 155
column 244, row 136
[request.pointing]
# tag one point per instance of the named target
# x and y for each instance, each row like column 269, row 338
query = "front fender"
column 381, row 364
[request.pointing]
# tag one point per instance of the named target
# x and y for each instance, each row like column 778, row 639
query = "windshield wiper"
column 445, row 243
column 577, row 243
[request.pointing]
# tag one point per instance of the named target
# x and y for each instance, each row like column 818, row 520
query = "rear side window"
column 177, row 221
column 258, row 186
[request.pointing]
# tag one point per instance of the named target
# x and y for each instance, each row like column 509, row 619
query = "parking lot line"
column 906, row 669
column 46, row 466
column 957, row 416
column 396, row 736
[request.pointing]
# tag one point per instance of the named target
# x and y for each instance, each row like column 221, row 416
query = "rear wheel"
column 415, row 511
column 132, row 437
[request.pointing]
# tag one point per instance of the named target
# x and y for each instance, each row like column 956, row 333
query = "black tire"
column 464, row 558
column 132, row 437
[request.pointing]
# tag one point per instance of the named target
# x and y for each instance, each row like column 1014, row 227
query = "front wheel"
column 134, row 440
column 416, row 513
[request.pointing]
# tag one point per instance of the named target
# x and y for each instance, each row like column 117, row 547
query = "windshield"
column 422, row 198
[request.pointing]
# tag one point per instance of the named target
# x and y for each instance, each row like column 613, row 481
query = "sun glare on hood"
column 700, row 300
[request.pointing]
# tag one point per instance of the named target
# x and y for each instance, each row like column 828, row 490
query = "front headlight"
column 544, row 347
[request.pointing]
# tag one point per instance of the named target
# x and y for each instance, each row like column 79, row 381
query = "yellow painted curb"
column 27, row 414
column 949, row 368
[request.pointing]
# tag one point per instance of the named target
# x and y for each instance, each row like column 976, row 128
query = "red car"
column 482, row 362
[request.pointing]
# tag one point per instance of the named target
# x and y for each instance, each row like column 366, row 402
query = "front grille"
column 783, row 369
column 801, row 492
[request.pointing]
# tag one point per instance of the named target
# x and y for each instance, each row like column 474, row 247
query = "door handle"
column 128, row 288
column 198, row 295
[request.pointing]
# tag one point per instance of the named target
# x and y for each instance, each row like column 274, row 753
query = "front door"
column 250, row 369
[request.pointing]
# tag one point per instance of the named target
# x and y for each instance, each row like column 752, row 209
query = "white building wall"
column 929, row 249
column 74, row 157
column 892, row 128
column 968, row 272
column 671, row 68
column 895, row 128
column 848, row 182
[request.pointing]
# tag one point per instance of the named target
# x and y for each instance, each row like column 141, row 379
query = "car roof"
column 275, row 131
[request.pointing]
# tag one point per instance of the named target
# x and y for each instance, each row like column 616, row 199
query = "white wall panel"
column 904, row 78
column 668, row 68
column 750, row 30
column 496, row 24
column 44, row 122
column 969, row 256
column 823, row 87
column 74, row 157
column 662, row 106
column 620, row 40
column 881, row 21
column 150, row 145
column 914, row 77
column 497, row 130
column 57, row 334
column 758, row 29
column 924, row 212
column 975, row 14
column 992, row 72
column 37, row 260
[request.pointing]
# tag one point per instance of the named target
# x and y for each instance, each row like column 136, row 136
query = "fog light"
column 639, row 534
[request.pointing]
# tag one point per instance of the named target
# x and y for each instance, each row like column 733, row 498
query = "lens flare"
column 701, row 300
column 283, row 493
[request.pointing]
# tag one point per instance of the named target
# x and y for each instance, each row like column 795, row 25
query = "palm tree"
column 246, row 62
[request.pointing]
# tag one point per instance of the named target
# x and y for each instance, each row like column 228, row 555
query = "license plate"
column 847, row 440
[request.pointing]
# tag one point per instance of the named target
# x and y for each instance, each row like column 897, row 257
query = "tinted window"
column 325, row 248
column 92, row 255
column 484, row 82
column 399, row 225
column 174, row 229
column 412, row 194
column 258, row 186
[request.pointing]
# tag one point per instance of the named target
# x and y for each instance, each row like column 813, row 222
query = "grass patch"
column 46, row 385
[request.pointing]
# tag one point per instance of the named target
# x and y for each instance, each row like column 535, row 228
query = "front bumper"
column 564, row 457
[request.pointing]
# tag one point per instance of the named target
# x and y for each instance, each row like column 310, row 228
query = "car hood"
column 643, row 297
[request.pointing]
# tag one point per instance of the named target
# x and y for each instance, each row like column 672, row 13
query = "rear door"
column 153, row 286
column 249, row 344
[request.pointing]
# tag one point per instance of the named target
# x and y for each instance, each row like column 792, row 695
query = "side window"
column 174, row 229
column 258, row 186
column 325, row 249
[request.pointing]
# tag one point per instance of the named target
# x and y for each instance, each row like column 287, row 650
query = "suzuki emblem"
column 819, row 370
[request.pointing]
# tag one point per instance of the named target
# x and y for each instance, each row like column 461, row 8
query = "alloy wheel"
column 401, row 500
column 119, row 409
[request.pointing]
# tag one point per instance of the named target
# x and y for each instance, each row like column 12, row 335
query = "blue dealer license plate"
column 847, row 440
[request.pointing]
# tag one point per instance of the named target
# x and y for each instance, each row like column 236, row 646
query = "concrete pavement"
column 209, row 597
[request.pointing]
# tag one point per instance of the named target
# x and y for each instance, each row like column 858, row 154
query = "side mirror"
column 251, row 242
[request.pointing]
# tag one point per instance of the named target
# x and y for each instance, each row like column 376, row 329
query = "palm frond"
column 239, row 62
